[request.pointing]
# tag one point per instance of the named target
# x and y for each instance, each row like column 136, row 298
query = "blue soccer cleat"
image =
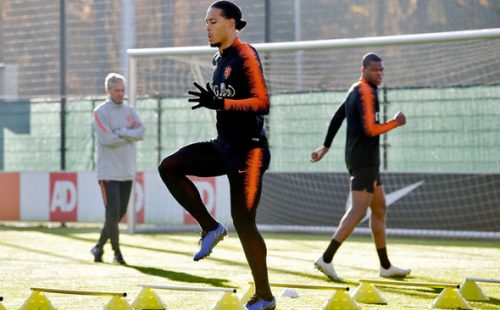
column 209, row 240
column 118, row 259
column 97, row 251
column 257, row 303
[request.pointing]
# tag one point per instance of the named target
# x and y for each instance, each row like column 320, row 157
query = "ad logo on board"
column 63, row 197
column 207, row 189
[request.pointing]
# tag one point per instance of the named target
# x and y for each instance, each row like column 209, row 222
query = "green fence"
column 447, row 130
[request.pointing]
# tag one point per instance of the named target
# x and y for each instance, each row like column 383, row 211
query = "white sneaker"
column 327, row 269
column 394, row 272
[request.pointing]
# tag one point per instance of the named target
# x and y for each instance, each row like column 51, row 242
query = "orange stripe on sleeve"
column 371, row 128
column 99, row 123
column 252, row 179
column 259, row 102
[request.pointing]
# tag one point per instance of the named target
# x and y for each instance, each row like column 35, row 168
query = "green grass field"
column 55, row 257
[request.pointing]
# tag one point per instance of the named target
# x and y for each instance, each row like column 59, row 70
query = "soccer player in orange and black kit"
column 239, row 95
column 362, row 157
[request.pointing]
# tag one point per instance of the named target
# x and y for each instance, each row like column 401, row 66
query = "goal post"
column 447, row 83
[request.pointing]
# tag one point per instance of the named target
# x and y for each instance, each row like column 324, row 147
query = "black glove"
column 206, row 98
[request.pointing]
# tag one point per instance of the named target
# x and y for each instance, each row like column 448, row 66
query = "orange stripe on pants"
column 252, row 178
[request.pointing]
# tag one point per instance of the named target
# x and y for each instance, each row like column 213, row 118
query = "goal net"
column 441, row 171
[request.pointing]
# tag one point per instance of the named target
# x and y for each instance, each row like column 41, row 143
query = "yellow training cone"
column 471, row 291
column 117, row 303
column 368, row 294
column 248, row 293
column 37, row 301
column 148, row 299
column 450, row 298
column 1, row 306
column 228, row 301
column 340, row 300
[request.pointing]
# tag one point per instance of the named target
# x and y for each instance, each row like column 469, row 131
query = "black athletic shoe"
column 118, row 259
column 97, row 251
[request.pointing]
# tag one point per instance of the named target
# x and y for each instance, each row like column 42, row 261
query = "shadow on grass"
column 404, row 240
column 179, row 276
column 492, row 301
column 171, row 275
column 47, row 253
column 67, row 232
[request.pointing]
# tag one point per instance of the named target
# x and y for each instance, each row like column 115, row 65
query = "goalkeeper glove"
column 206, row 98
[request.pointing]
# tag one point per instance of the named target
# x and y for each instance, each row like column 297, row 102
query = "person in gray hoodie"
column 117, row 127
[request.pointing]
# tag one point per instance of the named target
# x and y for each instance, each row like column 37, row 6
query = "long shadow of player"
column 180, row 276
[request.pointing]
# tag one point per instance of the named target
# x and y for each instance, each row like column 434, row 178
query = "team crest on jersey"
column 227, row 72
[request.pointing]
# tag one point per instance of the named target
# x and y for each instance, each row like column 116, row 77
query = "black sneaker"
column 97, row 251
column 118, row 259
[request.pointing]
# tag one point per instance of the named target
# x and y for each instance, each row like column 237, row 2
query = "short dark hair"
column 369, row 58
column 230, row 10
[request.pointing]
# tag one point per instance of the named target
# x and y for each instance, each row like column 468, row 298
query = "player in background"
column 117, row 127
column 239, row 95
column 362, row 157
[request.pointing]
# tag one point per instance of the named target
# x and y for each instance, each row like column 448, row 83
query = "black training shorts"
column 365, row 179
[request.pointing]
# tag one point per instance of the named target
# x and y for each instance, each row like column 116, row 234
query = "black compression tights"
column 201, row 159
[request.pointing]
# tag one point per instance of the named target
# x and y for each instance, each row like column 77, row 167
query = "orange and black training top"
column 238, row 78
column 361, row 108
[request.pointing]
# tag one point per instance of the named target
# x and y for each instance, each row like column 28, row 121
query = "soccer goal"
column 441, row 171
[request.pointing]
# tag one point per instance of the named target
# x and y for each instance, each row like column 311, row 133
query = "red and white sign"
column 63, row 196
column 63, row 201
column 207, row 189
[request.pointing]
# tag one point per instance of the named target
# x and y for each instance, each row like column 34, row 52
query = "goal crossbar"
column 331, row 43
